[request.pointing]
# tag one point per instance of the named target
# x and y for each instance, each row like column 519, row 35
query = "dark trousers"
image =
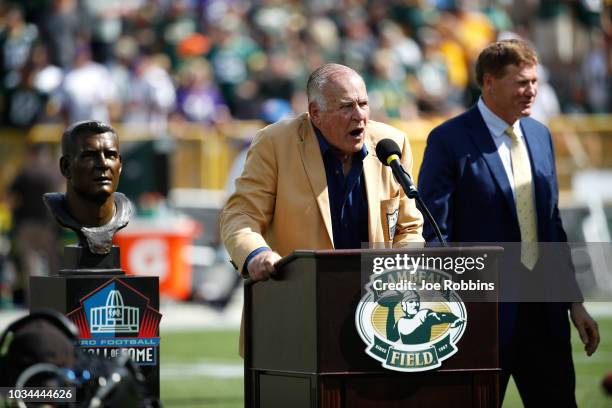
column 535, row 349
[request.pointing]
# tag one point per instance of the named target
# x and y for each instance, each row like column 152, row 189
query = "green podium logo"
column 407, row 327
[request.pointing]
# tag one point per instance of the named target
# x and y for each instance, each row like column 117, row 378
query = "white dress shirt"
column 497, row 128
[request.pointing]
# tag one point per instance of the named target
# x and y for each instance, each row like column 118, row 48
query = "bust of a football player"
column 91, row 164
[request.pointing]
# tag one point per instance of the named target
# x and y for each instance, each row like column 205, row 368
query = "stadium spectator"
column 126, row 54
column 61, row 29
column 88, row 91
column 595, row 76
column 435, row 93
column 24, row 105
column 34, row 234
column 546, row 105
column 231, row 57
column 151, row 94
column 16, row 40
column 198, row 98
column 47, row 77
column 386, row 88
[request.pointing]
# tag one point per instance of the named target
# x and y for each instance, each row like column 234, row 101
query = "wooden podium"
column 302, row 348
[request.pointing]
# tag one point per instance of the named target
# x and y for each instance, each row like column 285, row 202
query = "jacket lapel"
column 315, row 171
column 482, row 138
column 371, row 171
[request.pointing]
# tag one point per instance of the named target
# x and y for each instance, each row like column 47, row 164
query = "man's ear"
column 65, row 166
column 487, row 81
column 314, row 111
column 120, row 164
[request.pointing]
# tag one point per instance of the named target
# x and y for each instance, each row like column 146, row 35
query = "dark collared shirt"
column 347, row 196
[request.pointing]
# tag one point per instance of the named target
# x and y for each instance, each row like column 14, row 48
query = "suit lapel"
column 371, row 172
column 482, row 138
column 315, row 171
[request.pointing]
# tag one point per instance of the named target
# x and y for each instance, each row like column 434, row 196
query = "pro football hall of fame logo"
column 407, row 330
column 116, row 318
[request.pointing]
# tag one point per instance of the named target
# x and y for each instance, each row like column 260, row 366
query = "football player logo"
column 428, row 327
column 414, row 327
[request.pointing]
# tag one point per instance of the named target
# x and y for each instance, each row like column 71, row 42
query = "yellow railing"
column 202, row 155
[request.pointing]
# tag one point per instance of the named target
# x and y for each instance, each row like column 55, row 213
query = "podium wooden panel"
column 302, row 348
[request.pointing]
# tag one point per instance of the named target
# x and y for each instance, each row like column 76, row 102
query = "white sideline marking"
column 201, row 369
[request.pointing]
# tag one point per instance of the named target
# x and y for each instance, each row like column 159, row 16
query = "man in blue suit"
column 488, row 176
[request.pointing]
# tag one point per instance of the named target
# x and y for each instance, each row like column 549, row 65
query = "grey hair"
column 319, row 78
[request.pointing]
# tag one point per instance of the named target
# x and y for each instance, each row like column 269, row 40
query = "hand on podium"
column 263, row 265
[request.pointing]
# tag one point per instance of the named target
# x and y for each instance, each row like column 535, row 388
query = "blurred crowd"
column 209, row 61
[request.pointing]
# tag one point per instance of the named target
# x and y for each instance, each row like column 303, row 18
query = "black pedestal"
column 114, row 313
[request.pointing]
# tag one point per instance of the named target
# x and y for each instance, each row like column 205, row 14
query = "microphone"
column 389, row 154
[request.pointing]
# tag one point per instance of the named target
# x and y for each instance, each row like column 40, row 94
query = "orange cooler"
column 160, row 248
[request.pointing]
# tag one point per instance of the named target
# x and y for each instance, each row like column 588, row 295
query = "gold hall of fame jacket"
column 282, row 202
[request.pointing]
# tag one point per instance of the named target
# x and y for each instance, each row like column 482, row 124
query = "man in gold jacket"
column 314, row 182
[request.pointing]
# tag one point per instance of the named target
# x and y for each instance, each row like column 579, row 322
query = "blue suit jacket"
column 463, row 182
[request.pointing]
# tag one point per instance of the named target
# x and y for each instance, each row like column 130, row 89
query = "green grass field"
column 184, row 386
column 202, row 369
column 589, row 371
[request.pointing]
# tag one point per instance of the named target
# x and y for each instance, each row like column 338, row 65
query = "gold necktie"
column 523, row 190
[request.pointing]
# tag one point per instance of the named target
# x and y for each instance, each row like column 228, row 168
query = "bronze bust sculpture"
column 91, row 164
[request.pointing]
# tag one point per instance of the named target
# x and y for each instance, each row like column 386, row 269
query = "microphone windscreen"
column 386, row 148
